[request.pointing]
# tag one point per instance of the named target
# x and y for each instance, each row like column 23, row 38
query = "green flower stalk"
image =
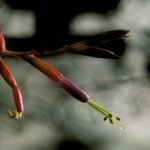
column 83, row 48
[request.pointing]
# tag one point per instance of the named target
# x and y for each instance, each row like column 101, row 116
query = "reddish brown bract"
column 2, row 43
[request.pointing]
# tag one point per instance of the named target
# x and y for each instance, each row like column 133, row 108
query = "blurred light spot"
column 17, row 23
column 21, row 24
column 87, row 24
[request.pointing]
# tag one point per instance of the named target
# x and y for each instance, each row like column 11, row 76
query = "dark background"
column 53, row 18
column 52, row 119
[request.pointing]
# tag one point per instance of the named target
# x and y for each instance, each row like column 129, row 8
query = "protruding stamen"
column 105, row 118
column 107, row 115
column 14, row 114
column 118, row 118
column 111, row 121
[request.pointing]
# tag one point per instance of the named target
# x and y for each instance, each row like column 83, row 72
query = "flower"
column 55, row 75
column 100, row 46
column 9, row 78
column 68, row 86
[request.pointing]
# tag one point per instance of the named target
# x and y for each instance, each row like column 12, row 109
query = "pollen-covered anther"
column 118, row 118
column 112, row 118
column 105, row 118
column 14, row 114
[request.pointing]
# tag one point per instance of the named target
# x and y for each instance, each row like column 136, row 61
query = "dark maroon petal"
column 108, row 44
column 104, row 45
column 73, row 89
column 108, row 36
column 83, row 48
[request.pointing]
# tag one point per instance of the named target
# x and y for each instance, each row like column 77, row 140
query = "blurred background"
column 53, row 120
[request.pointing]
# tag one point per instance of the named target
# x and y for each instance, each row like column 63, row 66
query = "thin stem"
column 19, row 54
column 53, row 52
column 97, row 107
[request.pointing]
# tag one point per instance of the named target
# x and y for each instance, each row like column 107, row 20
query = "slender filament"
column 107, row 115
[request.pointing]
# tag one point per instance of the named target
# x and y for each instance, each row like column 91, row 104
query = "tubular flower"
column 9, row 78
column 96, row 46
column 68, row 86
column 55, row 75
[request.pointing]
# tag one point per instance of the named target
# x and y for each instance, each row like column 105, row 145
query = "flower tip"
column 127, row 33
column 113, row 119
column 114, row 55
column 14, row 114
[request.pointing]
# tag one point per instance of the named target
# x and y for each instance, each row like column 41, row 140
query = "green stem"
column 98, row 107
